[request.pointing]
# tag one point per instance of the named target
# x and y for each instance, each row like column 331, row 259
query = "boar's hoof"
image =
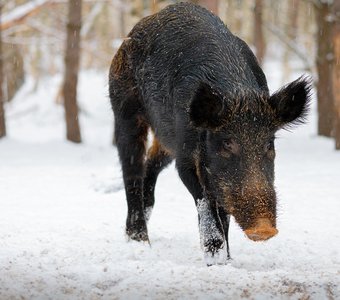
column 137, row 232
column 215, row 252
column 213, row 245
column 138, row 236
column 218, row 258
column 262, row 231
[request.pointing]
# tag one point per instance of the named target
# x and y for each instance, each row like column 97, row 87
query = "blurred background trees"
column 2, row 111
column 301, row 35
column 324, row 63
column 336, row 72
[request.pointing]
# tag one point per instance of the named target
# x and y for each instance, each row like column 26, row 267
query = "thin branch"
column 40, row 27
column 316, row 3
column 19, row 14
column 30, row 40
column 88, row 22
column 294, row 47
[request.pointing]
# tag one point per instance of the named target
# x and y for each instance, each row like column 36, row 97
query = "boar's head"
column 235, row 159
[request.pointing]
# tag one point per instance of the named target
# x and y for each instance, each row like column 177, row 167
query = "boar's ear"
column 207, row 108
column 291, row 103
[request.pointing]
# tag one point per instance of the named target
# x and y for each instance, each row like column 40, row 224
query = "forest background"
column 42, row 38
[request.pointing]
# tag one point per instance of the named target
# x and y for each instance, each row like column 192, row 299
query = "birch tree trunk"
column 336, row 73
column 324, row 61
column 2, row 110
column 72, row 57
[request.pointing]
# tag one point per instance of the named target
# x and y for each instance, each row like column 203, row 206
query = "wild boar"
column 184, row 76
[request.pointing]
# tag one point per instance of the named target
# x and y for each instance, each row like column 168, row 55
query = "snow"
column 62, row 215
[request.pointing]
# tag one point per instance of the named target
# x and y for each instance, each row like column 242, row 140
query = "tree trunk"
column 238, row 18
column 293, row 16
column 154, row 6
column 211, row 5
column 72, row 57
column 324, row 61
column 139, row 8
column 122, row 21
column 13, row 70
column 259, row 41
column 2, row 110
column 291, row 31
column 336, row 73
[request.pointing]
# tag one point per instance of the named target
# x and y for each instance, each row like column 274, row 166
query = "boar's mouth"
column 262, row 231
column 254, row 212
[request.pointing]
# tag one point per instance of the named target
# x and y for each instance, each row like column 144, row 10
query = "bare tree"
column 122, row 21
column 324, row 62
column 336, row 73
column 259, row 41
column 2, row 110
column 291, row 32
column 72, row 57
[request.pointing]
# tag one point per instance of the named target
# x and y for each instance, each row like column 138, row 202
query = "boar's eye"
column 227, row 144
column 231, row 146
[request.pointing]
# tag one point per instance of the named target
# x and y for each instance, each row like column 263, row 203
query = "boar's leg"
column 211, row 236
column 157, row 160
column 225, row 219
column 131, row 134
column 211, row 233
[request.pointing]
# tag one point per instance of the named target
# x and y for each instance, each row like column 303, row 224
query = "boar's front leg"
column 225, row 219
column 211, row 233
column 210, row 228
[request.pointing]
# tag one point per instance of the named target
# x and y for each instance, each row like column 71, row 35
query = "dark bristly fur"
column 182, row 74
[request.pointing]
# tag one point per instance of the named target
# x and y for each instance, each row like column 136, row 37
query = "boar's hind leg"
column 131, row 134
column 157, row 160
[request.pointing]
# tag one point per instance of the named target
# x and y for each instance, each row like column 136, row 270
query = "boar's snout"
column 263, row 230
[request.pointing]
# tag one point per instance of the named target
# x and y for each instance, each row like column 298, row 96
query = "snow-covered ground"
column 62, row 215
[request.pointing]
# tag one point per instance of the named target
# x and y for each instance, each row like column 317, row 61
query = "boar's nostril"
column 263, row 230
